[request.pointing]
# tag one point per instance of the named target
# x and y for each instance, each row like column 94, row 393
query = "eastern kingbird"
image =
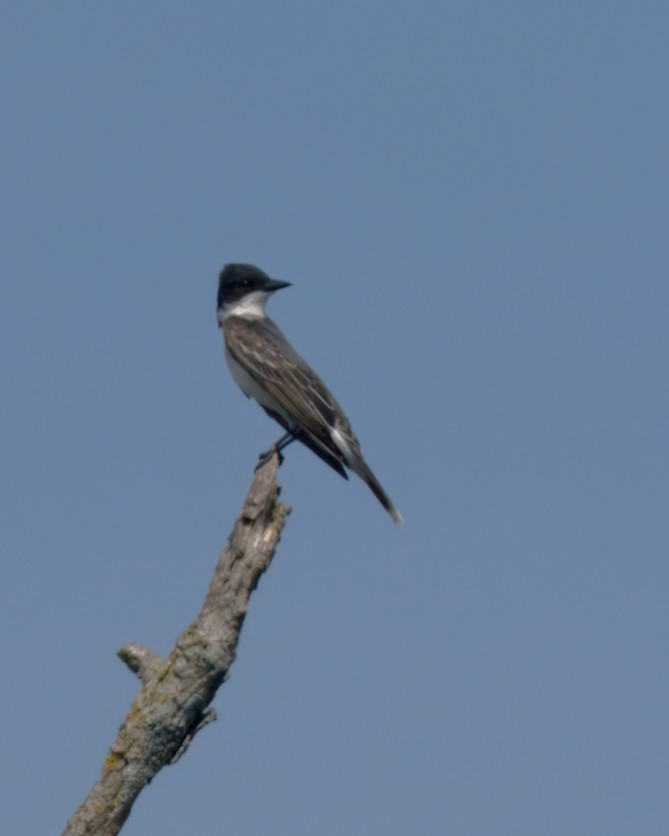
column 267, row 368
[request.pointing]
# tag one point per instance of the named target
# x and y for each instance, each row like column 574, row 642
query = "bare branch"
column 140, row 660
column 173, row 704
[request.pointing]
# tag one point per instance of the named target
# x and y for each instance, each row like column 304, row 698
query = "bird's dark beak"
column 275, row 284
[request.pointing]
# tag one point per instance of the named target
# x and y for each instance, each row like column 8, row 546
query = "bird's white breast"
column 252, row 389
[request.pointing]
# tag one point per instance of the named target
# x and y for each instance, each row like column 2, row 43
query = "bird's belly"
column 253, row 390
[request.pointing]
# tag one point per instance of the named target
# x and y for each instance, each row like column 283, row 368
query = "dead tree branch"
column 174, row 703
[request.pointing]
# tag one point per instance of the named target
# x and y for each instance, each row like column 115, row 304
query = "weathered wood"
column 173, row 704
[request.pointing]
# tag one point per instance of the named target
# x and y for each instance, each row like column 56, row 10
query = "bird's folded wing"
column 265, row 354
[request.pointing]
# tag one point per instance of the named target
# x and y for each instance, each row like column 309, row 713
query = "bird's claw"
column 263, row 458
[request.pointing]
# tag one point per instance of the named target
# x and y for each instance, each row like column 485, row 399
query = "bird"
column 268, row 369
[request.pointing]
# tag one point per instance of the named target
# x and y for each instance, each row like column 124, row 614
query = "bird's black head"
column 238, row 280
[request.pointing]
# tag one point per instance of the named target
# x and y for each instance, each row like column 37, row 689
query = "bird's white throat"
column 251, row 306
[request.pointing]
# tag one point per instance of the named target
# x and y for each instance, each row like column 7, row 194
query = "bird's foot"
column 263, row 458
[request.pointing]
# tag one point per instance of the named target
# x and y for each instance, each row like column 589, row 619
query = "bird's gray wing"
column 265, row 354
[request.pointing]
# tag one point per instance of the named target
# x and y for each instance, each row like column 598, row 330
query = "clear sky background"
column 471, row 200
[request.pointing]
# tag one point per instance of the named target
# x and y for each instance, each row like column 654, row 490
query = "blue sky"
column 470, row 199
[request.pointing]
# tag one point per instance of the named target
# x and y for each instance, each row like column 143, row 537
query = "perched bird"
column 267, row 368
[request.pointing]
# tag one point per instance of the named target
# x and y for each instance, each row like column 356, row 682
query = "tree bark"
column 174, row 702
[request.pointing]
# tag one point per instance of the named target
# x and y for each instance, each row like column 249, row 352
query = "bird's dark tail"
column 364, row 472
